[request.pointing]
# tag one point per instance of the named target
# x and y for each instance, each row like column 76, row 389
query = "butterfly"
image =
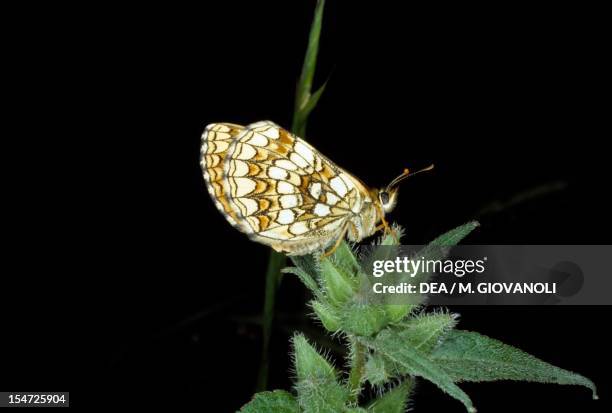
column 282, row 192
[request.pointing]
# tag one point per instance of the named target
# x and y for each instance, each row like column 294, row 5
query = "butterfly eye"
column 384, row 198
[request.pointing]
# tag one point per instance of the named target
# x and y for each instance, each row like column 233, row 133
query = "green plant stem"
column 358, row 358
column 305, row 102
column 275, row 263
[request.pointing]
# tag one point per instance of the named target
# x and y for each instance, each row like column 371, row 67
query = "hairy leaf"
column 338, row 282
column 397, row 312
column 425, row 331
column 308, row 264
column 308, row 362
column 327, row 315
column 388, row 249
column 469, row 356
column 345, row 256
column 390, row 345
column 454, row 236
column 378, row 370
column 317, row 386
column 363, row 320
column 277, row 401
column 321, row 396
column 304, row 277
column 440, row 247
column 394, row 400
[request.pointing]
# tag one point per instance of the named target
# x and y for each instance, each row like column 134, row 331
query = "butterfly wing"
column 284, row 193
column 216, row 140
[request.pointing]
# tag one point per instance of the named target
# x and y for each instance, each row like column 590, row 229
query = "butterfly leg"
column 385, row 225
column 337, row 243
column 389, row 230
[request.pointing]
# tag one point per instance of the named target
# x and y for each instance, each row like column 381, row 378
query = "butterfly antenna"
column 407, row 174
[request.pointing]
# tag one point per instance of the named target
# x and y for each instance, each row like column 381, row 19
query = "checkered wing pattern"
column 277, row 188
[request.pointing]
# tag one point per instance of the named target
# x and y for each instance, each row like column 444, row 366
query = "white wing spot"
column 246, row 151
column 241, row 168
column 271, row 133
column 338, row 185
column 318, row 164
column 277, row 173
column 298, row 160
column 258, row 140
column 244, row 186
column 288, row 201
column 284, row 187
column 274, row 233
column 221, row 146
column 332, row 199
column 286, row 164
column 250, row 205
column 305, row 152
column 259, row 124
column 315, row 190
column 298, row 228
column 286, row 216
column 321, row 210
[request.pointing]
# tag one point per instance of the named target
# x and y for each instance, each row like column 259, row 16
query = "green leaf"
column 277, row 401
column 308, row 362
column 363, row 319
column 388, row 249
column 345, row 256
column 305, row 277
column 372, row 253
column 328, row 316
column 339, row 284
column 469, row 356
column 384, row 249
column 304, row 86
column 397, row 312
column 392, row 238
column 321, row 396
column 454, row 236
column 357, row 358
column 377, row 370
column 314, row 99
column 424, row 332
column 308, row 264
column 317, row 386
column 439, row 248
column 394, row 400
column 390, row 345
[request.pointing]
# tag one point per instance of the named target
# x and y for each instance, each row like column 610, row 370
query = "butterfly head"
column 388, row 196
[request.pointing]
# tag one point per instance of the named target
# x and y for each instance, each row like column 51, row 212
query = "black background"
column 128, row 285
